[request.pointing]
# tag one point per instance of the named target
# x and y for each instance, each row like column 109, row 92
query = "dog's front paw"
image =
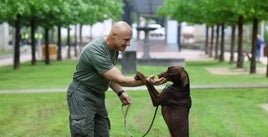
column 139, row 76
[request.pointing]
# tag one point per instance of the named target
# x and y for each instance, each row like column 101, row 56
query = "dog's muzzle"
column 161, row 75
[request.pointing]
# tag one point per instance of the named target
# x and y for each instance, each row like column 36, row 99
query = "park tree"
column 221, row 16
column 32, row 17
column 48, row 14
column 24, row 13
column 86, row 12
column 51, row 14
column 256, row 12
column 184, row 11
column 249, row 11
column 221, row 13
column 198, row 12
column 12, row 12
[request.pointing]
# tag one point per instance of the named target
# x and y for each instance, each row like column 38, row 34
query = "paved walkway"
column 236, row 86
column 8, row 59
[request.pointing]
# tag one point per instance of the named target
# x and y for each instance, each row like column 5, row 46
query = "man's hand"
column 154, row 81
column 125, row 99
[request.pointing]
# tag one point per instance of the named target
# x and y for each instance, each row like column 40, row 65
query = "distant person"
column 95, row 73
column 259, row 45
column 25, row 39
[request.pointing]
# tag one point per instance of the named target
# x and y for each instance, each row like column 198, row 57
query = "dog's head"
column 177, row 75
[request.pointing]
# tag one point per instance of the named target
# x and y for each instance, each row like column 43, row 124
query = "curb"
column 201, row 87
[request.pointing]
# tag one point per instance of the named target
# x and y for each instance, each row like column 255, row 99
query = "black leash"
column 125, row 122
column 151, row 122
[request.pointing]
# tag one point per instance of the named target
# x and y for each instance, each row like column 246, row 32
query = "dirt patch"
column 233, row 71
column 264, row 106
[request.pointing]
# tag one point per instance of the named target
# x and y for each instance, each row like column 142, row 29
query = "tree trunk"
column 47, row 60
column 211, row 42
column 80, row 37
column 51, row 36
column 91, row 33
column 59, row 56
column 75, row 41
column 179, row 36
column 68, row 43
column 207, row 46
column 33, row 41
column 232, row 45
column 240, row 57
column 222, row 43
column 16, row 60
column 253, row 46
column 267, row 69
column 206, row 43
column 127, row 11
column 217, row 41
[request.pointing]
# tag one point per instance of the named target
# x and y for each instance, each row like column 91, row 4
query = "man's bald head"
column 119, row 36
column 121, row 27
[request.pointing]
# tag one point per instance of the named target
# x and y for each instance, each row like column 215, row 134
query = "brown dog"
column 174, row 99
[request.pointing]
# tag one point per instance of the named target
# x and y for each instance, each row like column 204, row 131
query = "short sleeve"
column 101, row 62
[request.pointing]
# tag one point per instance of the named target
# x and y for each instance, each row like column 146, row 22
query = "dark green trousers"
column 88, row 114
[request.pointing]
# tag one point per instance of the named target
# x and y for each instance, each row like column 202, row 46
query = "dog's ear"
column 184, row 77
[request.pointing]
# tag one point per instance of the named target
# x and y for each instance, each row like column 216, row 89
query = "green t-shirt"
column 94, row 60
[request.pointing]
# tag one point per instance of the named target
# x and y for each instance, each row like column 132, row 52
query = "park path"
column 194, row 87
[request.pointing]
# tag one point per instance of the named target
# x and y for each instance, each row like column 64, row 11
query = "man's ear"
column 113, row 35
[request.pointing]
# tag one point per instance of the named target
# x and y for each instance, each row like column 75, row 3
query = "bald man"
column 95, row 73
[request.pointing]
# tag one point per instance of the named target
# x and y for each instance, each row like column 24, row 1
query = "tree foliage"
column 50, row 13
column 215, row 12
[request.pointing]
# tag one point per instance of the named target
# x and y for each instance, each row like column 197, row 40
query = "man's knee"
column 102, row 127
column 80, row 126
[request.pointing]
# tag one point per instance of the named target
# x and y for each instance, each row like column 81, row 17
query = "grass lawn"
column 215, row 112
column 59, row 75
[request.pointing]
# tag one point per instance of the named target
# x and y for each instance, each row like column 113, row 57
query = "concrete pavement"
column 193, row 87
